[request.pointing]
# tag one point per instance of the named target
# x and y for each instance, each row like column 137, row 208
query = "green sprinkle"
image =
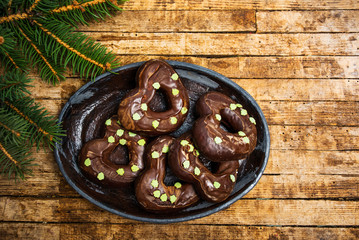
column 197, row 171
column 243, row 112
column 252, row 120
column 155, row 154
column 218, row 117
column 216, row 184
column 239, row 105
column 120, row 132
column 118, row 122
column 120, row 171
column 218, row 140
column 173, row 120
column 175, row 92
column 163, row 197
column 184, row 143
column 135, row 168
column 154, row 183
column 242, row 134
column 232, row 177
column 186, row 164
column 87, row 162
column 155, row 124
column 174, row 76
column 156, row 85
column 123, row 141
column 233, row 106
column 165, row 149
column 173, row 198
column 144, row 107
column 108, row 122
column 184, row 110
column 178, row 185
column 191, row 148
column 111, row 139
column 100, row 176
column 157, row 193
column 141, row 142
column 136, row 116
column 246, row 139
column 131, row 134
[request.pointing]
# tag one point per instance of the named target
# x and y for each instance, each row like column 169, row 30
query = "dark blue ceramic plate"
column 84, row 115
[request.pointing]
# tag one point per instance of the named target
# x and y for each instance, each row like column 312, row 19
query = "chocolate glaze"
column 95, row 161
column 134, row 113
column 185, row 163
column 213, row 141
column 151, row 191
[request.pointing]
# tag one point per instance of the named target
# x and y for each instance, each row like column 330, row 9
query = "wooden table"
column 298, row 59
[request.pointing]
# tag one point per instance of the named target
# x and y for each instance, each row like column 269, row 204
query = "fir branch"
column 13, row 85
column 15, row 160
column 13, row 128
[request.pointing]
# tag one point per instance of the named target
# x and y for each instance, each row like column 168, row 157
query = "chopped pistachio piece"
column 141, row 142
column 154, row 183
column 120, row 132
column 155, row 154
column 232, row 177
column 163, row 197
column 186, row 164
column 178, row 185
column 155, row 124
column 101, row 176
column 118, row 122
column 144, row 107
column 174, row 76
column 136, row 116
column 239, row 105
column 157, row 193
column 242, row 134
column 184, row 110
column 196, row 153
column 156, row 85
column 216, row 184
column 131, row 134
column 165, row 149
column 246, row 139
column 218, row 140
column 173, row 198
column 197, row 171
column 135, row 168
column 120, row 171
column 87, row 162
column 218, row 117
column 175, row 92
column 233, row 106
column 190, row 148
column 108, row 122
column 243, row 112
column 184, row 143
column 252, row 120
column 111, row 139
column 173, row 120
column 123, row 141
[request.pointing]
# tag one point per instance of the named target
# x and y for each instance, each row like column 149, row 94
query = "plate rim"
column 221, row 206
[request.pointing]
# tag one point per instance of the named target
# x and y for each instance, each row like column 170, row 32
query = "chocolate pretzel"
column 151, row 191
column 185, row 162
column 95, row 155
column 134, row 112
column 217, row 143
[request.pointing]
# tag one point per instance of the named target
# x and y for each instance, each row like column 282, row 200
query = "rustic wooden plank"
column 173, row 231
column 260, row 89
column 235, row 5
column 240, row 20
column 307, row 21
column 245, row 211
column 243, row 44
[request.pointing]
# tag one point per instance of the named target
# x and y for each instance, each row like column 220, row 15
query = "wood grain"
column 334, row 21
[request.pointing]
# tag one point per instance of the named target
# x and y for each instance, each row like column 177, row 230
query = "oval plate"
column 83, row 118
